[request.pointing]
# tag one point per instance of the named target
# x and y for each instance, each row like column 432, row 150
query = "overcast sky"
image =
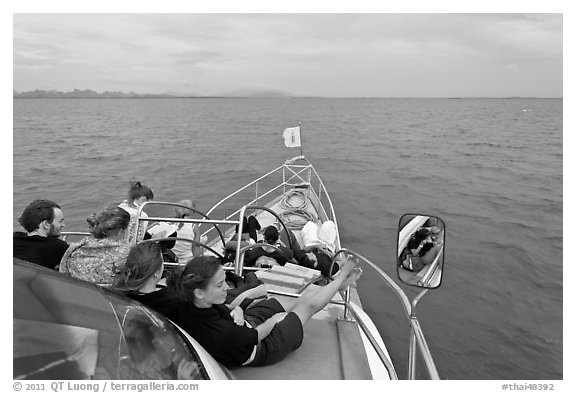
column 331, row 55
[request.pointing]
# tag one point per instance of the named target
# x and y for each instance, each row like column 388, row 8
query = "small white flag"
column 292, row 137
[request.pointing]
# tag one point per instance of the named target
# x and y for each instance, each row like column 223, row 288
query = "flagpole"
column 300, row 128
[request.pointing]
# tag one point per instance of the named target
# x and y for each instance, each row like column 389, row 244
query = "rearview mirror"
column 420, row 252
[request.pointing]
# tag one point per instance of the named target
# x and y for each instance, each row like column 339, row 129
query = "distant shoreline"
column 276, row 97
column 91, row 94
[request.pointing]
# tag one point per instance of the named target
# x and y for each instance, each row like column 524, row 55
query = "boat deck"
column 331, row 349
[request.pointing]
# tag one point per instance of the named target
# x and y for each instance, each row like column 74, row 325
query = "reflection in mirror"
column 420, row 250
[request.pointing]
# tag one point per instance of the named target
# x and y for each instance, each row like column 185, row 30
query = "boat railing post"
column 346, row 305
column 284, row 180
column 256, row 192
column 239, row 259
column 412, row 355
column 424, row 350
column 415, row 302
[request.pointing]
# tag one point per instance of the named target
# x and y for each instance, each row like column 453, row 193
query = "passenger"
column 248, row 237
column 137, row 195
column 185, row 250
column 43, row 221
column 315, row 255
column 268, row 332
column 319, row 246
column 97, row 258
column 139, row 279
column 317, row 259
column 271, row 236
column 320, row 237
column 288, row 238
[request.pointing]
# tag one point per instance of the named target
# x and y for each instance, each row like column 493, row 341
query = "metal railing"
column 66, row 234
column 290, row 174
column 417, row 339
column 205, row 218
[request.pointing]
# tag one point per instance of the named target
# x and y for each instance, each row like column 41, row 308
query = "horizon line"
column 255, row 94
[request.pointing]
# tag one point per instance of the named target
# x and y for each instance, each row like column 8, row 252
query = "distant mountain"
column 89, row 94
column 263, row 93
column 76, row 93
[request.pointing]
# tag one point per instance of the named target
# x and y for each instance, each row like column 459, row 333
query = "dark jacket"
column 43, row 251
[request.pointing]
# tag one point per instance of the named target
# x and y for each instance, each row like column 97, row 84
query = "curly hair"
column 107, row 221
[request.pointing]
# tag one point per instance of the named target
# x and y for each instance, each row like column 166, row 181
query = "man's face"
column 57, row 224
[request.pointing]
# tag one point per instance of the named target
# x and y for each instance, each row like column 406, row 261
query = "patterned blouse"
column 95, row 260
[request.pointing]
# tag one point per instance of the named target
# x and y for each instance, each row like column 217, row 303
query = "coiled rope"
column 295, row 216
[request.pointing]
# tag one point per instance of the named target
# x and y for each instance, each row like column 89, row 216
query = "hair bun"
column 91, row 219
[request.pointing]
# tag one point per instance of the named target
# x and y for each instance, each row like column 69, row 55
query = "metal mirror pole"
column 412, row 353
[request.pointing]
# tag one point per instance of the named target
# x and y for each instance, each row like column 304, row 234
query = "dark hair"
column 137, row 190
column 107, row 221
column 196, row 275
column 271, row 234
column 417, row 238
column 144, row 259
column 36, row 212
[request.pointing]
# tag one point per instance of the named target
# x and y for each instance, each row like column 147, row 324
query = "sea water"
column 491, row 168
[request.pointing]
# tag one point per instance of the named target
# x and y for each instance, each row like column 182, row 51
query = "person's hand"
column 278, row 317
column 238, row 315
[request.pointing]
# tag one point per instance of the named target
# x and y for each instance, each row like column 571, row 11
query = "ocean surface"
column 491, row 168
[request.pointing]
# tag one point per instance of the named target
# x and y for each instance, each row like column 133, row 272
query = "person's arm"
column 288, row 253
column 311, row 247
column 265, row 328
column 252, row 293
column 318, row 247
column 196, row 249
